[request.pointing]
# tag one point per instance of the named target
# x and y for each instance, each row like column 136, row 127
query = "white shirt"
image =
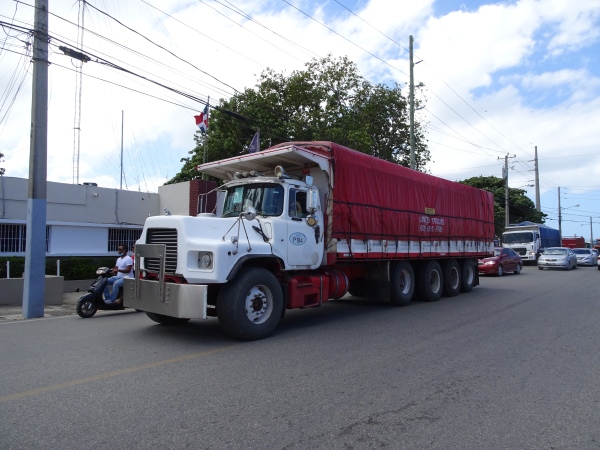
column 122, row 264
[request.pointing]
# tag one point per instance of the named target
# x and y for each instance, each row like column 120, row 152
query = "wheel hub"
column 256, row 305
column 405, row 282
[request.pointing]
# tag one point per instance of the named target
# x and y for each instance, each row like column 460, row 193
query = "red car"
column 504, row 260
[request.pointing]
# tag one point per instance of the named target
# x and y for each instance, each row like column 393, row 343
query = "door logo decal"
column 297, row 239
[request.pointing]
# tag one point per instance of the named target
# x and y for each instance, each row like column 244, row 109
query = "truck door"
column 304, row 242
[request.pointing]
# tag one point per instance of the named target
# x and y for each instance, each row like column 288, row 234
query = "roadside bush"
column 71, row 267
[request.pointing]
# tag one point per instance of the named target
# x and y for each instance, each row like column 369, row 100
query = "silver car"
column 585, row 256
column 557, row 257
column 595, row 250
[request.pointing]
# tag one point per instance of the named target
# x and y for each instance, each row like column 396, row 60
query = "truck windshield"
column 267, row 199
column 517, row 238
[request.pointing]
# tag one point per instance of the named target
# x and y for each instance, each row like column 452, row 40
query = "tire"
column 357, row 288
column 541, row 268
column 249, row 307
column 166, row 320
column 86, row 306
column 468, row 275
column 452, row 278
column 430, row 281
column 402, row 285
column 517, row 270
column 500, row 270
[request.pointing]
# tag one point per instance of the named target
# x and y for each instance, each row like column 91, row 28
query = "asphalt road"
column 513, row 364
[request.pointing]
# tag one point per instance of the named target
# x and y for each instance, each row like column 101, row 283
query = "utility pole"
column 559, row 217
column 537, row 182
column 78, row 95
column 35, row 253
column 122, row 125
column 411, row 96
column 506, row 190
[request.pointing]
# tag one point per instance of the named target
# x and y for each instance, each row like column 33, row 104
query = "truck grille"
column 167, row 236
column 520, row 251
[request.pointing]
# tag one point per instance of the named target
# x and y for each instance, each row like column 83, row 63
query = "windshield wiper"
column 261, row 232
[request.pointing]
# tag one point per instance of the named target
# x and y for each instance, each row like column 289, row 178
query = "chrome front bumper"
column 187, row 301
column 178, row 300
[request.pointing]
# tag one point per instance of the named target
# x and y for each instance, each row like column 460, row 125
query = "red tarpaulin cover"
column 377, row 199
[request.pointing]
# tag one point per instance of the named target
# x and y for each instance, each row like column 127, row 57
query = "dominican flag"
column 202, row 120
column 255, row 144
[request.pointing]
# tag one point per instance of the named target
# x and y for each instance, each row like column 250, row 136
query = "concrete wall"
column 79, row 203
column 174, row 197
column 74, row 240
column 12, row 291
column 79, row 216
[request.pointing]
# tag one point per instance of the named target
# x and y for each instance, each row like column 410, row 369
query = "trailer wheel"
column 452, row 278
column 249, row 307
column 402, row 285
column 430, row 281
column 166, row 320
column 468, row 275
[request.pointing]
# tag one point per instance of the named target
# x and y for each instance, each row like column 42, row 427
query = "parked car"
column 504, row 260
column 586, row 257
column 596, row 252
column 558, row 258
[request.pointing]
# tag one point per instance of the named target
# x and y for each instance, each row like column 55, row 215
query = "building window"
column 118, row 236
column 13, row 238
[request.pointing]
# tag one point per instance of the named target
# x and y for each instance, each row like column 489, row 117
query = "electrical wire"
column 160, row 46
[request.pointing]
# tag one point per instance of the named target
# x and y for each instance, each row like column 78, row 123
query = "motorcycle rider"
column 122, row 269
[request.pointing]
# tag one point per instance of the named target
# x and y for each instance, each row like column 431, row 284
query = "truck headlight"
column 205, row 260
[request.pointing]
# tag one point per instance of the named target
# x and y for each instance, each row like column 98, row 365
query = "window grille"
column 13, row 238
column 118, row 236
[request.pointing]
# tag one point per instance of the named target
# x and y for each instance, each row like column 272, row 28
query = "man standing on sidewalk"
column 122, row 269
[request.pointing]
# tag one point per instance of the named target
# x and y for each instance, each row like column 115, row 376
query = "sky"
column 499, row 79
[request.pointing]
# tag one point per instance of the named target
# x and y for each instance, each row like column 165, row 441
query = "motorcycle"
column 94, row 299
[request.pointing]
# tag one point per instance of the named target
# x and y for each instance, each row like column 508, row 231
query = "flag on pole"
column 202, row 120
column 255, row 144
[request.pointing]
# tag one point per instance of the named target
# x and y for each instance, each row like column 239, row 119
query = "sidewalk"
column 10, row 313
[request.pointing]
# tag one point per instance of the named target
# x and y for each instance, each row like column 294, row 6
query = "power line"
column 203, row 34
column 160, row 46
column 248, row 17
column 345, row 38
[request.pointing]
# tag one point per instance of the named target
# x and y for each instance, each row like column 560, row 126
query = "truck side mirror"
column 312, row 200
column 249, row 214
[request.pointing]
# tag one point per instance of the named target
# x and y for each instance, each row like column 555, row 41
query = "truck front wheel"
column 249, row 307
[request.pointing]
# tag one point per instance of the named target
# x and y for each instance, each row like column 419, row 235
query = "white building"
column 87, row 220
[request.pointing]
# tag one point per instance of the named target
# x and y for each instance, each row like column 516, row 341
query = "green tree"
column 327, row 101
column 520, row 207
